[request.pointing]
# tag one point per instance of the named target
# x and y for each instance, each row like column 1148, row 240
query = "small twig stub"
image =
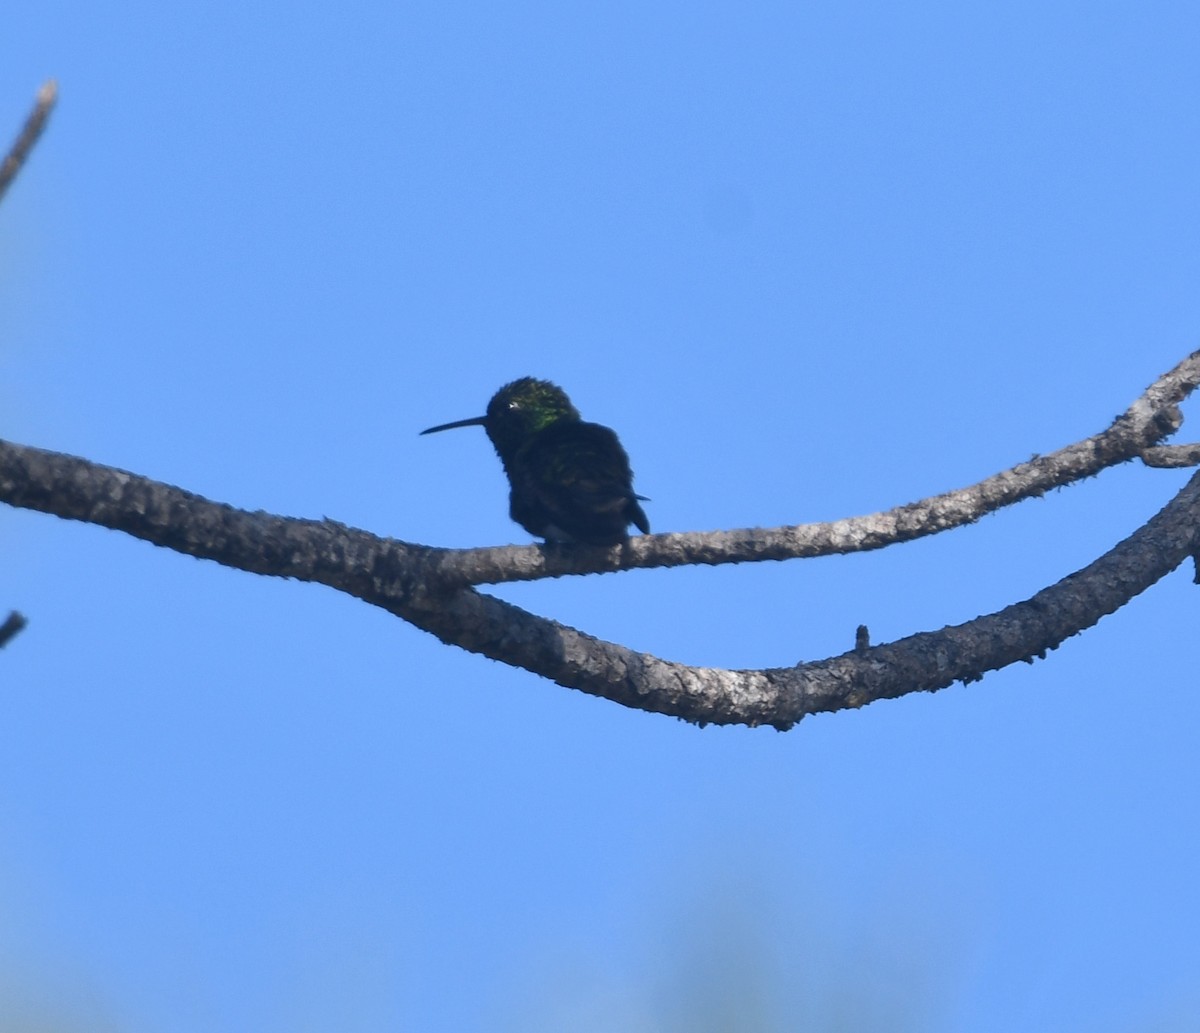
column 11, row 626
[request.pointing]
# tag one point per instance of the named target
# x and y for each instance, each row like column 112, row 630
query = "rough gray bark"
column 434, row 589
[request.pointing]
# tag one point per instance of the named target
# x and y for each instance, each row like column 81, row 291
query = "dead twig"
column 28, row 136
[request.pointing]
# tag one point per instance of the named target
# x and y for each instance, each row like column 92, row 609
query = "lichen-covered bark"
column 433, row 588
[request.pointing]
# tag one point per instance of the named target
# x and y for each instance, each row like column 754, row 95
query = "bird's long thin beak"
column 475, row 421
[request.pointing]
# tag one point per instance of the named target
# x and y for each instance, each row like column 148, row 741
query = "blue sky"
column 810, row 261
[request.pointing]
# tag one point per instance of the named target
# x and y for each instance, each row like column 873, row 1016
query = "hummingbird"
column 569, row 480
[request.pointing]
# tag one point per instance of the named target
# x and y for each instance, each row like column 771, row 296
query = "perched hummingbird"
column 570, row 481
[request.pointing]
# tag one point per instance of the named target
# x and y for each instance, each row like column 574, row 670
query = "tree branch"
column 782, row 696
column 431, row 587
column 28, row 136
column 1172, row 456
column 411, row 580
column 12, row 625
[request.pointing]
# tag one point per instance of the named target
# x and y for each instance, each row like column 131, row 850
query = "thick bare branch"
column 431, row 587
column 309, row 550
column 782, row 696
column 397, row 577
column 28, row 136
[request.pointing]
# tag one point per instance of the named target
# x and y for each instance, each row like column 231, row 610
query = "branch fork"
column 435, row 589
